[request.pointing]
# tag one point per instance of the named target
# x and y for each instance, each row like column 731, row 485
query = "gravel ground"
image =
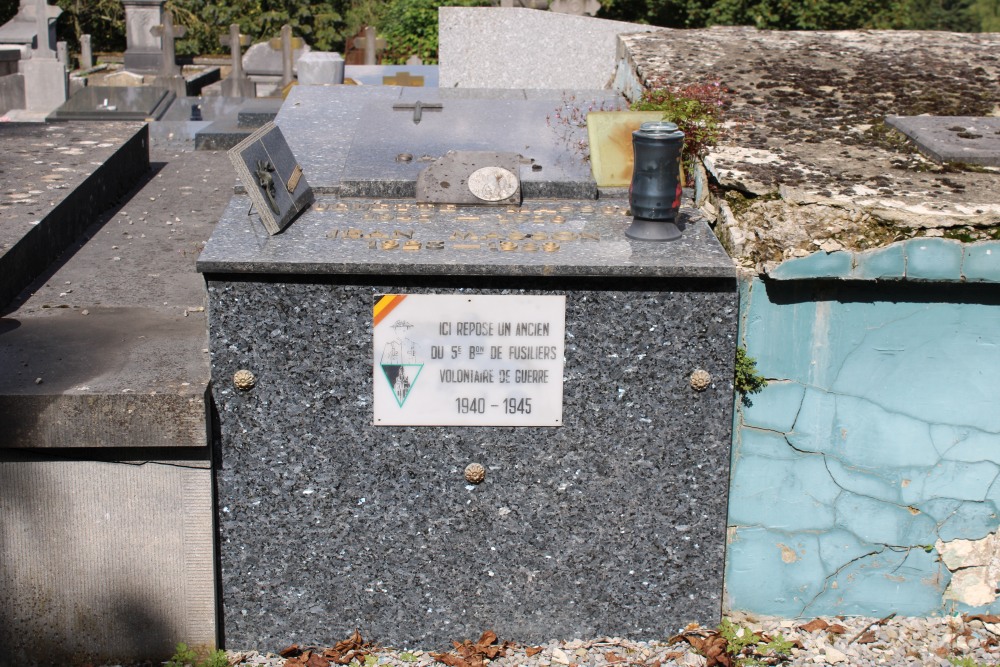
column 945, row 641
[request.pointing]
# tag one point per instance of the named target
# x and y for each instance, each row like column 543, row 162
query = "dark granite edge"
column 64, row 223
column 542, row 270
column 526, row 283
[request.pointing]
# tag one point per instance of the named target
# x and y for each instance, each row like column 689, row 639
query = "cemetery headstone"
column 45, row 81
column 22, row 29
column 317, row 68
column 575, row 7
column 378, row 347
column 371, row 45
column 237, row 84
column 264, row 63
column 62, row 54
column 143, row 53
column 86, row 52
column 382, row 75
column 402, row 79
column 286, row 55
column 169, row 76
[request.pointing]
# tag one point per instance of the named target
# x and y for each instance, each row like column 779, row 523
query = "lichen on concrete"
column 806, row 145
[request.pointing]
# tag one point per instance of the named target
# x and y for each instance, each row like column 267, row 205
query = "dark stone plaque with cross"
column 272, row 177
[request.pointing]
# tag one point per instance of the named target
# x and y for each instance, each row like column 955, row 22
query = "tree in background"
column 103, row 20
column 957, row 15
column 987, row 13
column 410, row 28
column 319, row 22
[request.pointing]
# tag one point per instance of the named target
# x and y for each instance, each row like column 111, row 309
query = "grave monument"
column 45, row 80
column 169, row 75
column 271, row 65
column 236, row 84
column 144, row 52
column 452, row 395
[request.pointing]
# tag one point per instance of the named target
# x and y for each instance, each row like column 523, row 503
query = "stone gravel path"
column 854, row 642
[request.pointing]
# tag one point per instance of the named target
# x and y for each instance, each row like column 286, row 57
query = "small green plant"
column 738, row 638
column 965, row 662
column 217, row 658
column 696, row 109
column 185, row 656
column 747, row 380
column 746, row 648
column 778, row 647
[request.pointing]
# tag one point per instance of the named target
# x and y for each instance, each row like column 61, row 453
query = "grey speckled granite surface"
column 613, row 524
column 588, row 237
column 349, row 136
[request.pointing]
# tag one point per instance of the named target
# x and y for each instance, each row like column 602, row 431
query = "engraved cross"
column 418, row 108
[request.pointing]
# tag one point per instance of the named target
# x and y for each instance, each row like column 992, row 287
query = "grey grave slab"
column 59, row 177
column 344, row 161
column 272, row 177
column 176, row 127
column 554, row 167
column 968, row 139
column 319, row 123
column 115, row 103
column 122, row 589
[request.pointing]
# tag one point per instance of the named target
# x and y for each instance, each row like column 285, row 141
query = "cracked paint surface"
column 866, row 476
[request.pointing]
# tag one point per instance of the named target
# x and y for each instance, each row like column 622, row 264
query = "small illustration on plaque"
column 265, row 180
column 399, row 362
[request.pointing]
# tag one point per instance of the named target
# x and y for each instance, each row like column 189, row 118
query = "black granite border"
column 43, row 244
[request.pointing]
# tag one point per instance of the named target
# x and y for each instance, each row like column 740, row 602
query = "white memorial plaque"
column 468, row 360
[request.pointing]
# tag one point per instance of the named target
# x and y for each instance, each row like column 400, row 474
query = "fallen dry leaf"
column 290, row 651
column 468, row 654
column 713, row 647
column 450, row 659
column 836, row 629
column 316, row 660
column 814, row 625
column 985, row 618
column 532, row 650
column 611, row 657
column 867, row 638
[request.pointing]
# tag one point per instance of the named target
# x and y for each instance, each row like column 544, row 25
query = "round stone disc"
column 492, row 183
